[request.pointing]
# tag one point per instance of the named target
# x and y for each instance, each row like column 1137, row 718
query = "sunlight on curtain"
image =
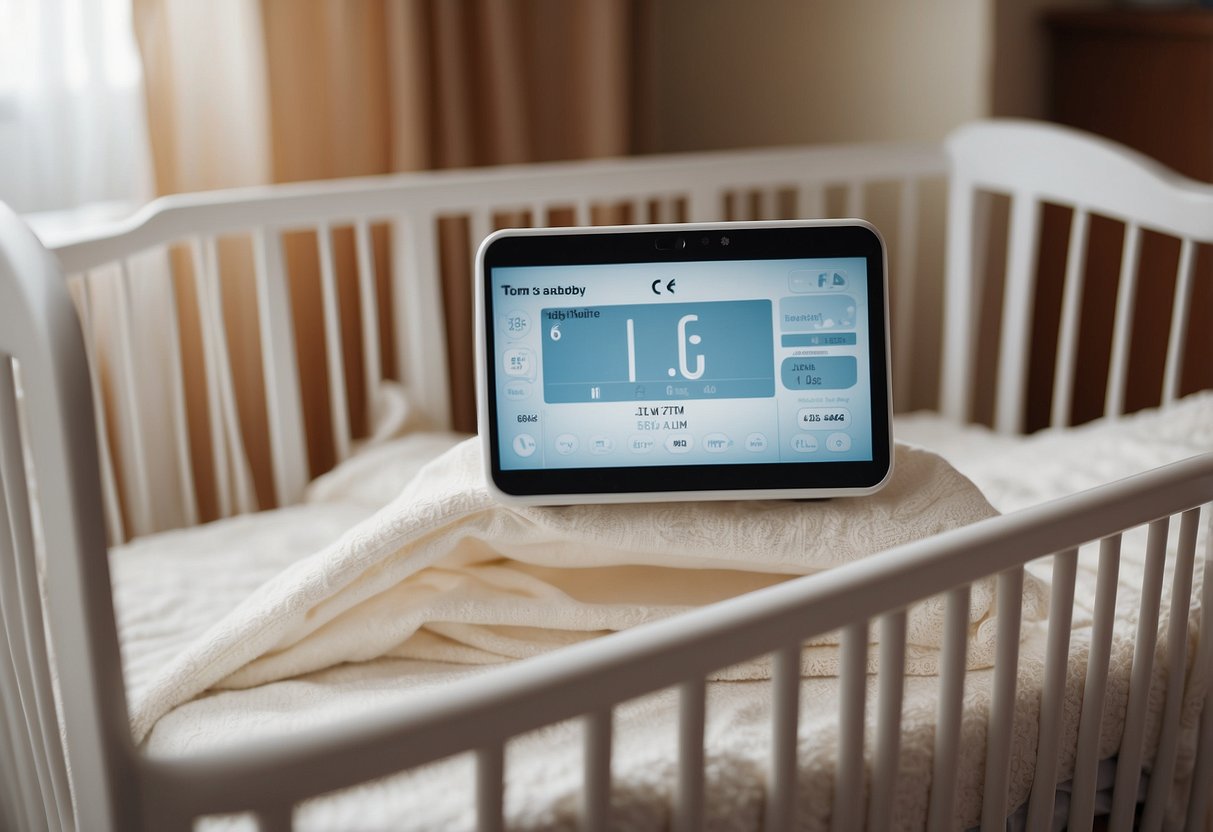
column 72, row 117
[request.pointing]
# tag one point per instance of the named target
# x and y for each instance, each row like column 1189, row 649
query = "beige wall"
column 721, row 73
column 1018, row 85
column 737, row 74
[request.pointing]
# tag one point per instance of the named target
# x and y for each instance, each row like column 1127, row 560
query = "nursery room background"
column 106, row 104
column 248, row 299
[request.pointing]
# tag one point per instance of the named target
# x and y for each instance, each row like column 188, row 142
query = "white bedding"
column 163, row 611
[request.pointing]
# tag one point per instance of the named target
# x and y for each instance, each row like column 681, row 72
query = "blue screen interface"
column 682, row 363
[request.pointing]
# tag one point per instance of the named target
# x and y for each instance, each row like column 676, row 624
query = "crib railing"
column 378, row 249
column 116, row 785
column 1042, row 167
column 588, row 681
column 38, row 344
column 52, row 545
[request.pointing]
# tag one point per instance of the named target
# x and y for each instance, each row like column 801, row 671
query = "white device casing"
column 483, row 393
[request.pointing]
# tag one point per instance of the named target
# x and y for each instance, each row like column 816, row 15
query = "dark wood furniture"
column 1143, row 77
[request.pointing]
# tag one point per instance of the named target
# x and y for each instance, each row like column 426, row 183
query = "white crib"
column 105, row 424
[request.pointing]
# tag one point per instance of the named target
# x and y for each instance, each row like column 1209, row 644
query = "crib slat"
column 671, row 207
column 1002, row 709
column 278, row 819
column 115, row 527
column 20, row 526
column 728, row 205
column 888, row 726
column 200, row 253
column 368, row 298
column 490, row 788
column 645, row 208
column 958, row 306
column 761, row 204
column 904, row 284
column 141, row 502
column 539, row 214
column 597, row 806
column 479, row 227
column 1198, row 802
column 583, row 212
column 232, row 439
column 1017, row 310
column 704, row 205
column 1203, row 769
column 785, row 724
column 1177, row 635
column 848, row 788
column 764, row 202
column 657, row 212
column 15, row 687
column 1126, row 294
column 688, row 805
column 283, row 403
column 775, row 203
column 420, row 325
column 812, row 200
column 242, row 476
column 1053, row 696
column 1071, row 305
column 181, row 429
column 1082, row 799
column 1178, row 335
column 855, row 199
column 983, row 215
column 333, row 349
column 21, row 636
column 30, row 806
column 951, row 701
column 1128, row 759
column 10, row 787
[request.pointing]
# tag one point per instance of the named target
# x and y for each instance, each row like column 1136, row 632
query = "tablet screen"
column 665, row 374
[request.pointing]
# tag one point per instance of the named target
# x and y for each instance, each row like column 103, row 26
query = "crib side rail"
column 390, row 284
column 1045, row 172
column 589, row 680
column 52, row 534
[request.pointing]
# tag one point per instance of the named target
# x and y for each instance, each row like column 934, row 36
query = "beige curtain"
column 244, row 92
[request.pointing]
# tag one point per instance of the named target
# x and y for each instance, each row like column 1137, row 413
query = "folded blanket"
column 445, row 573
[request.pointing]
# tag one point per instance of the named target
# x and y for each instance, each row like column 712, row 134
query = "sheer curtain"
column 248, row 92
column 73, row 130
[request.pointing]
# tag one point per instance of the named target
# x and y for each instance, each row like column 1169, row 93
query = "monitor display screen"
column 648, row 369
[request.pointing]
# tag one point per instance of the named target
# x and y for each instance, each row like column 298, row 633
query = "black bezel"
column 746, row 242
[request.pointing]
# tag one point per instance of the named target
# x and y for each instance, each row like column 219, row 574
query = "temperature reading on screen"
column 683, row 341
column 678, row 350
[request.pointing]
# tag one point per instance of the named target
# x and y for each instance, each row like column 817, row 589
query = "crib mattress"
column 160, row 609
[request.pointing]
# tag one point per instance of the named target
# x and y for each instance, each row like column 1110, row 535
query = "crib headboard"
column 1055, row 336
column 223, row 390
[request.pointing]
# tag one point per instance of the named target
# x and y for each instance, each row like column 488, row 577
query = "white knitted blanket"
column 418, row 607
column 445, row 573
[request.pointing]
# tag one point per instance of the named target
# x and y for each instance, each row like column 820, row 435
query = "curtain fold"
column 72, row 130
column 245, row 92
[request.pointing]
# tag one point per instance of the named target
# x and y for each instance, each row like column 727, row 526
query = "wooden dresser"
column 1143, row 77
